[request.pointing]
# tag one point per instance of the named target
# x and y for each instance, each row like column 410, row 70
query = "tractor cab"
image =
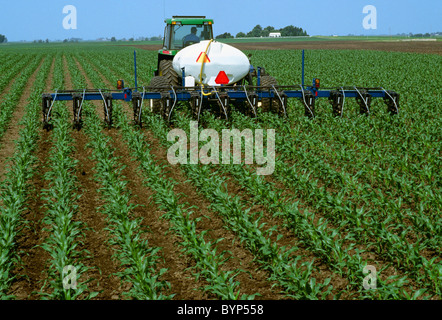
column 182, row 31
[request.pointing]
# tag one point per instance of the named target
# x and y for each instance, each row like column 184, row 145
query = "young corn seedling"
column 236, row 216
column 14, row 189
column 208, row 260
column 134, row 253
column 61, row 199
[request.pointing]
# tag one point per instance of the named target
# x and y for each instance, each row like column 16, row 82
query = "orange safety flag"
column 203, row 57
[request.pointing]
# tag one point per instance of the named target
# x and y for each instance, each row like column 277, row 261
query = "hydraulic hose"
column 202, row 67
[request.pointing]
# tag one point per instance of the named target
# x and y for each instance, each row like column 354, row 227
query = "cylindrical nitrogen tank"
column 220, row 61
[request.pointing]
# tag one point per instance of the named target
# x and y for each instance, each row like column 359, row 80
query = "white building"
column 275, row 34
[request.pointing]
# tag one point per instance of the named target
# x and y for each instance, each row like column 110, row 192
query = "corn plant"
column 343, row 212
column 10, row 100
column 135, row 254
column 208, row 260
column 373, row 180
column 12, row 67
column 15, row 189
column 245, row 224
column 61, row 199
column 61, row 203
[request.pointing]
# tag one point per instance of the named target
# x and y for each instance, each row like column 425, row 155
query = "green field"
column 346, row 192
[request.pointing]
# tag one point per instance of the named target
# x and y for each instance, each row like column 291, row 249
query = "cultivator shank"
column 337, row 101
column 219, row 99
column 78, row 97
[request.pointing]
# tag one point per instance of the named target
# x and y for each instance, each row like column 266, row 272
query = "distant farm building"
column 275, row 34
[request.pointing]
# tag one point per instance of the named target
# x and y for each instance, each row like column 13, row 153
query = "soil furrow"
column 7, row 145
column 104, row 266
column 241, row 257
column 8, row 87
column 181, row 280
column 33, row 257
column 434, row 47
column 250, row 281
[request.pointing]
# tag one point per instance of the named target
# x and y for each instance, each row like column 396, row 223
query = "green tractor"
column 180, row 32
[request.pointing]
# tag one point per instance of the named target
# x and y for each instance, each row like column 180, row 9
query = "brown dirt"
column 8, row 87
column 254, row 279
column 103, row 265
column 181, row 280
column 7, row 145
column 434, row 47
column 241, row 257
column 33, row 257
column 183, row 283
column 101, row 261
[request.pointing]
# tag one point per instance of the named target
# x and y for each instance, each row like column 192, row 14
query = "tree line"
column 3, row 38
column 258, row 31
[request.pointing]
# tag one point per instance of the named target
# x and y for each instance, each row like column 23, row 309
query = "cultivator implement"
column 163, row 100
column 161, row 97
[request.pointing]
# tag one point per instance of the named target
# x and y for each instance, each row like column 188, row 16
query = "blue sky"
column 30, row 20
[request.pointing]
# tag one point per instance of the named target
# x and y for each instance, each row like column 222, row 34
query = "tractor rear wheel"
column 268, row 104
column 158, row 84
column 166, row 70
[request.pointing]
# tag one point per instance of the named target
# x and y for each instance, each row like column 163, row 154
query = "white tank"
column 221, row 60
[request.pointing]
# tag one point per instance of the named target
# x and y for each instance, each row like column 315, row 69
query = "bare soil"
column 33, row 257
column 7, row 145
column 183, row 284
column 434, row 47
